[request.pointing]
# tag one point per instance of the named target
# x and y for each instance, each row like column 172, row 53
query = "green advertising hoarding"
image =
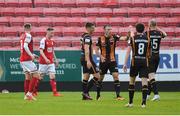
column 69, row 68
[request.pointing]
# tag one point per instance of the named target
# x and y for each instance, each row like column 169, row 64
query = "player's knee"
column 151, row 76
column 52, row 76
column 131, row 87
column 27, row 76
column 132, row 81
column 152, row 81
column 144, row 81
column 116, row 76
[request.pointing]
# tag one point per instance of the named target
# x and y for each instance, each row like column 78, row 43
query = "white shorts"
column 28, row 66
column 47, row 68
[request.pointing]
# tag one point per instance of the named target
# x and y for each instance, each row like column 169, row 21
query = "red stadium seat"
column 69, row 3
column 177, row 31
column 64, row 11
column 146, row 12
column 175, row 11
column 4, row 21
column 7, row 11
column 92, row 11
column 144, row 20
column 80, row 31
column 123, row 31
column 83, row 3
column 73, row 21
column 69, row 31
column 174, row 21
column 76, row 43
column 115, row 30
column 105, row 12
column 120, row 12
column 125, row 3
column 41, row 3
column 16, row 21
column 135, row 12
column 2, row 3
column 58, row 31
column 102, row 21
column 59, row 21
column 12, row 31
column 21, row 11
column 170, row 31
column 39, row 31
column 46, row 21
column 161, row 21
column 138, row 3
column 177, row 3
column 111, row 3
column 165, row 12
column 167, row 3
column 50, row 11
column 12, row 3
column 84, row 20
column 1, row 31
column 25, row 3
column 36, row 11
column 55, row 3
column 98, row 31
column 97, row 3
column 130, row 21
column 78, row 12
column 32, row 20
column 176, row 43
column 152, row 3
column 116, row 21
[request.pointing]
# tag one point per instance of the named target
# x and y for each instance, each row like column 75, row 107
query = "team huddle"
column 145, row 47
column 144, row 44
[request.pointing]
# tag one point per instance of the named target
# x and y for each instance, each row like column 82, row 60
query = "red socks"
column 32, row 84
column 53, row 85
column 36, row 86
column 26, row 86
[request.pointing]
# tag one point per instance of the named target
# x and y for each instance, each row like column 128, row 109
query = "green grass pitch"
column 72, row 104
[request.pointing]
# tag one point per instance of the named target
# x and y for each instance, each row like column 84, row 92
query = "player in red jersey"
column 26, row 60
column 47, row 60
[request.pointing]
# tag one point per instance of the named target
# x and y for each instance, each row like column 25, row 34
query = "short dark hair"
column 89, row 24
column 106, row 26
column 27, row 25
column 50, row 29
column 140, row 27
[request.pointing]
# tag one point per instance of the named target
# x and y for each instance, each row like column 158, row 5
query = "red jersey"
column 26, row 37
column 48, row 48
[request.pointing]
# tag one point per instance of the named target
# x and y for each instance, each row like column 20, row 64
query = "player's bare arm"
column 86, row 46
column 55, row 59
column 44, row 56
column 128, row 51
column 28, row 51
column 163, row 32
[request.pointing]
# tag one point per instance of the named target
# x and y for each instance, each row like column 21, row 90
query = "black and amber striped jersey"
column 107, row 46
column 86, row 39
column 140, row 44
column 155, row 38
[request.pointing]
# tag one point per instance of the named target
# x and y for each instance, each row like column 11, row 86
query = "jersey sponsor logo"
column 49, row 49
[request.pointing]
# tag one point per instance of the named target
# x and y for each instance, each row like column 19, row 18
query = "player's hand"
column 32, row 57
column 103, row 59
column 47, row 61
column 36, row 56
column 124, row 68
column 89, row 65
column 56, row 63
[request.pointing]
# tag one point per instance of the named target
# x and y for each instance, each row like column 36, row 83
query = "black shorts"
column 93, row 70
column 105, row 66
column 153, row 64
column 140, row 68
